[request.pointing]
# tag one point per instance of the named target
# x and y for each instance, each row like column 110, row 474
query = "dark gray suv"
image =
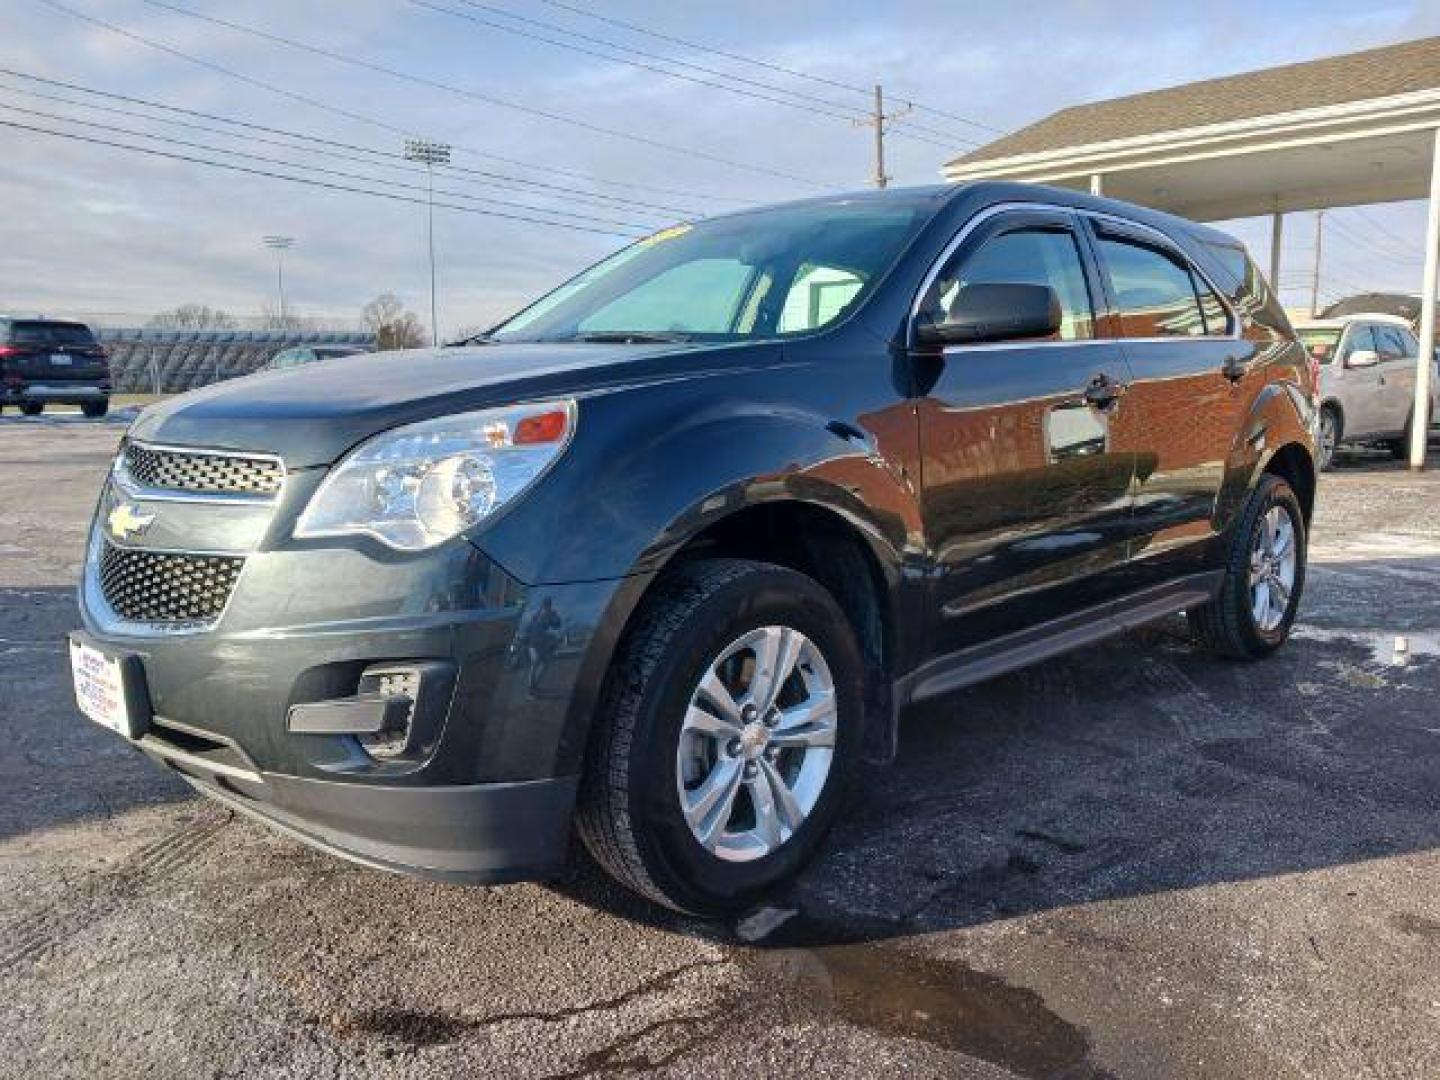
column 666, row 554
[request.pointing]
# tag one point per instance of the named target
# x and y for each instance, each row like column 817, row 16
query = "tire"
column 630, row 814
column 1332, row 427
column 32, row 408
column 1400, row 448
column 95, row 409
column 1229, row 625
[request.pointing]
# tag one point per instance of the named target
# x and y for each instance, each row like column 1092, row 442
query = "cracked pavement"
column 1134, row 861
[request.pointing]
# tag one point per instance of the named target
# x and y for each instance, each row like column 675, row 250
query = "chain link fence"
column 152, row 361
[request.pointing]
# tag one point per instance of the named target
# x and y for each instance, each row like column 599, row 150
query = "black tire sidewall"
column 1327, row 458
column 673, row 858
column 1273, row 492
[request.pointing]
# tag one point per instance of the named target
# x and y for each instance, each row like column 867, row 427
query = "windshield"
column 791, row 270
column 1320, row 343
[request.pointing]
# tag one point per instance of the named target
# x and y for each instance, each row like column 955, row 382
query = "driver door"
column 1026, row 500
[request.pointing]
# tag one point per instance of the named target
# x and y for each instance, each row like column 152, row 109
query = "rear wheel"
column 32, row 408
column 1400, row 448
column 1330, row 428
column 95, row 409
column 1264, row 576
column 729, row 725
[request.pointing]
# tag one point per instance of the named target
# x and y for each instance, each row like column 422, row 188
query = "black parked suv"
column 666, row 554
column 47, row 360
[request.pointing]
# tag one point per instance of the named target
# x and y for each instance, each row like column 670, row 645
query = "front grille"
column 159, row 587
column 196, row 470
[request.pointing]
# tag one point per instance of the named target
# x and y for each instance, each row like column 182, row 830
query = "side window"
column 1393, row 345
column 1154, row 291
column 1359, row 336
column 1027, row 256
column 1217, row 319
column 818, row 295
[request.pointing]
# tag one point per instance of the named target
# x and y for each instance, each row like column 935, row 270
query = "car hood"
column 311, row 415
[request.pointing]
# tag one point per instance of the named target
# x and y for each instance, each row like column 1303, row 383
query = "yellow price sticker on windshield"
column 666, row 234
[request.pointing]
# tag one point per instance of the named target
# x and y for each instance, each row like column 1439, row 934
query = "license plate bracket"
column 109, row 688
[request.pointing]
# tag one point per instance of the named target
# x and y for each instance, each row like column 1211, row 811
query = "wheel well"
column 824, row 546
column 1292, row 463
column 1334, row 406
column 815, row 542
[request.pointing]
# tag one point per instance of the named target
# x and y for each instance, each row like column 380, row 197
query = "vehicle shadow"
column 1134, row 767
column 56, row 767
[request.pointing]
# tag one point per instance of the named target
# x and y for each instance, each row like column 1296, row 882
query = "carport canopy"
column 1342, row 131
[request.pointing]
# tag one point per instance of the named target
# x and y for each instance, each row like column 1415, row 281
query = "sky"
column 113, row 235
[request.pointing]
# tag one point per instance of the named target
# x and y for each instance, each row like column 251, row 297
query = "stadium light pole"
column 430, row 154
column 279, row 244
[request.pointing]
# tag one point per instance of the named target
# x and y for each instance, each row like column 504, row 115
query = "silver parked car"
column 1367, row 381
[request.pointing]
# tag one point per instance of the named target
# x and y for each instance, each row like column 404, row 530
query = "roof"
column 1337, row 80
column 1341, row 321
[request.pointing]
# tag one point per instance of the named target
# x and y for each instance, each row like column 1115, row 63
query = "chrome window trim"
column 136, row 490
column 998, row 209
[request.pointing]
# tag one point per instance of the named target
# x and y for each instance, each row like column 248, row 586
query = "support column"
column 1277, row 228
column 1419, row 424
column 1097, row 187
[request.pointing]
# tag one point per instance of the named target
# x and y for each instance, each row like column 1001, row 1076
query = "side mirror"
column 1361, row 358
column 984, row 313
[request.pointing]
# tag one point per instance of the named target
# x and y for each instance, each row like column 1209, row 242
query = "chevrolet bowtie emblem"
column 126, row 522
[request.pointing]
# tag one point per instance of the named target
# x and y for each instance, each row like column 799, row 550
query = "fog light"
column 393, row 684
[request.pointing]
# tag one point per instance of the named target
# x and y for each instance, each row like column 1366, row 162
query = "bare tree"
column 194, row 317
column 394, row 327
column 270, row 316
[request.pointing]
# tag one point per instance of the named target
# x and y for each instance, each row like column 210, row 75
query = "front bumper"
column 487, row 799
column 481, row 834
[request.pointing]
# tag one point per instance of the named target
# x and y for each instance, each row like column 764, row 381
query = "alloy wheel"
column 1273, row 560
column 757, row 743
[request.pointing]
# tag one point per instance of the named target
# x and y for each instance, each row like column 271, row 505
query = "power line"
column 477, row 95
column 301, row 179
column 281, row 162
column 361, row 118
column 805, row 102
column 636, row 29
column 1366, row 216
column 390, row 159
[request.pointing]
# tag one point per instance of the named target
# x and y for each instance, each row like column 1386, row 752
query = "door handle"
column 1103, row 391
column 1234, row 368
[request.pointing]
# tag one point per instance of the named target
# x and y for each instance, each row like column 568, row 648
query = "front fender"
column 647, row 471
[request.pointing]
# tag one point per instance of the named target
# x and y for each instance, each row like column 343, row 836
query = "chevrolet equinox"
column 664, row 556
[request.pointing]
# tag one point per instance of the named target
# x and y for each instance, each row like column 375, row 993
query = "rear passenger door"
column 1395, row 375
column 1025, row 497
column 1191, row 381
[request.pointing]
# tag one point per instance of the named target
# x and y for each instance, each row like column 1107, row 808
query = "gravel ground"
column 1131, row 862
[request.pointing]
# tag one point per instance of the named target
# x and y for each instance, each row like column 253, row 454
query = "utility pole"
column 878, row 119
column 431, row 154
column 279, row 244
column 1315, row 274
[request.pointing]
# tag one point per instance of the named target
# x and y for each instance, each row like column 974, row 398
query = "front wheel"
column 95, row 409
column 730, row 722
column 1264, row 576
column 32, row 408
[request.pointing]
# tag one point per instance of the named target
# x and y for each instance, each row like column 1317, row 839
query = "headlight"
column 419, row 485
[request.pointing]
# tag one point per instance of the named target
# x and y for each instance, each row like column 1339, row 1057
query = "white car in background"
column 1367, row 381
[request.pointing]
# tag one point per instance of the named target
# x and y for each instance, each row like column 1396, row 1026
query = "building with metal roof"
column 1341, row 131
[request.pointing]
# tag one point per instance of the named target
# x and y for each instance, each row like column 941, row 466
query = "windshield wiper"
column 473, row 339
column 631, row 337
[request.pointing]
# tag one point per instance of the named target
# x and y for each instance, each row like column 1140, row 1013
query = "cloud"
column 93, row 229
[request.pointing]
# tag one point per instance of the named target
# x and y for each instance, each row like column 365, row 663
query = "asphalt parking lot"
column 1133, row 862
